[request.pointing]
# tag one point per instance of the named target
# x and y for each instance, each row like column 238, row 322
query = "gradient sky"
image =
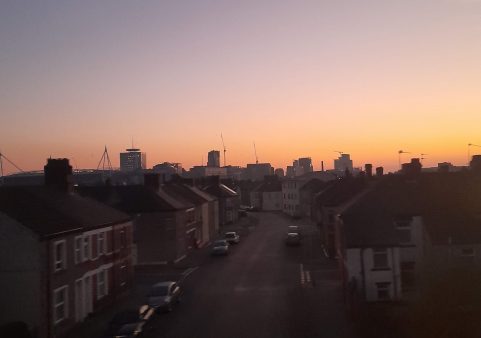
column 301, row 78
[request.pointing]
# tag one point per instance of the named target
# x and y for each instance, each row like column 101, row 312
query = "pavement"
column 261, row 289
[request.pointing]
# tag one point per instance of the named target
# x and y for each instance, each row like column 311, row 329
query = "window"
column 403, row 227
column 383, row 291
column 408, row 276
column 102, row 286
column 101, row 243
column 78, row 249
column 467, row 252
column 86, row 248
column 123, row 274
column 60, row 255
column 380, row 258
column 123, row 239
column 60, row 304
column 190, row 215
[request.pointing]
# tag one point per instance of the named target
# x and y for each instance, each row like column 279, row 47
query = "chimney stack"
column 58, row 174
column 322, row 165
column 152, row 180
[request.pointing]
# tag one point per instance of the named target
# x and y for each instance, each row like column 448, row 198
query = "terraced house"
column 62, row 256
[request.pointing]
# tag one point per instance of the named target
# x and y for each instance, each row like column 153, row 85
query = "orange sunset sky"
column 300, row 78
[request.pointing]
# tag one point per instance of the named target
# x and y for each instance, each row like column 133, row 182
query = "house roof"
column 269, row 186
column 337, row 192
column 134, row 198
column 449, row 204
column 184, row 194
column 314, row 185
column 220, row 190
column 49, row 212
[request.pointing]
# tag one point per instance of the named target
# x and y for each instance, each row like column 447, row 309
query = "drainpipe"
column 394, row 275
column 363, row 274
column 49, row 293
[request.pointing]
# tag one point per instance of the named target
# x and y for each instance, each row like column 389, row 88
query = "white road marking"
column 187, row 272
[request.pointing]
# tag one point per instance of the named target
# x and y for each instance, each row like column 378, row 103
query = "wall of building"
column 157, row 236
column 272, row 201
column 20, row 274
column 205, row 224
column 360, row 265
column 291, row 198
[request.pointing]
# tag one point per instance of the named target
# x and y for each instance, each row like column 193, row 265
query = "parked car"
column 294, row 228
column 232, row 237
column 293, row 239
column 131, row 323
column 220, row 247
column 164, row 295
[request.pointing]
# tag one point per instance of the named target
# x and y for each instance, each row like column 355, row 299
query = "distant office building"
column 167, row 169
column 234, row 172
column 300, row 167
column 213, row 158
column 132, row 160
column 290, row 172
column 343, row 163
column 257, row 171
column 203, row 171
column 305, row 164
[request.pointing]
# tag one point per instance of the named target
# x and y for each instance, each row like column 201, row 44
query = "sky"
column 298, row 78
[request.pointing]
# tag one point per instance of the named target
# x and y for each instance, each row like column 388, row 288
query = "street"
column 261, row 289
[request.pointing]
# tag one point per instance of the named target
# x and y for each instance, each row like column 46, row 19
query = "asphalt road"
column 262, row 289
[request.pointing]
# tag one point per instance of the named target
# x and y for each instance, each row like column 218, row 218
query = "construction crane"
column 223, row 145
column 255, row 153
column 422, row 157
column 399, row 155
column 469, row 150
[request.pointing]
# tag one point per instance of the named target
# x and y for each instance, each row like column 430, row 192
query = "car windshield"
column 158, row 291
column 230, row 235
column 220, row 243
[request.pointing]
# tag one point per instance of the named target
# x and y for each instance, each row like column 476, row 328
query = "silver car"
column 163, row 296
column 294, row 229
column 232, row 237
column 293, row 239
column 220, row 247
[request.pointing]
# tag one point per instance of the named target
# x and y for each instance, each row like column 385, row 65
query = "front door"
column 79, row 301
column 88, row 304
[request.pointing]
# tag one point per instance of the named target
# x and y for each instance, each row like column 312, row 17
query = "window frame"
column 63, row 259
column 101, row 249
column 102, row 288
column 77, row 250
column 383, row 287
column 64, row 304
column 377, row 252
column 86, row 246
